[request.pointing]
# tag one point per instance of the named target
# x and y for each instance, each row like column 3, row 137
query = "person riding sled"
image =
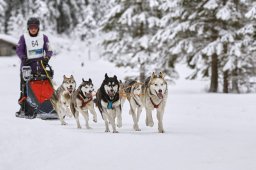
column 34, row 50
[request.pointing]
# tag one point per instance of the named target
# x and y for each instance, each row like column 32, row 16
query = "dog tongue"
column 88, row 95
column 70, row 90
column 160, row 95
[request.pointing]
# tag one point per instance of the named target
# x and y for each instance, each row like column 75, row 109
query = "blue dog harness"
column 110, row 105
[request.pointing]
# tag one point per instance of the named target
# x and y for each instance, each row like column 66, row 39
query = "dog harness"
column 110, row 105
column 83, row 102
column 136, row 102
column 34, row 45
column 155, row 105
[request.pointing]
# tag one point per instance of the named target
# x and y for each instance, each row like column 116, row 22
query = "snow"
column 229, row 65
column 224, row 13
column 153, row 3
column 127, row 17
column 251, row 14
column 2, row 5
column 248, row 29
column 203, row 130
column 211, row 5
column 8, row 38
column 210, row 49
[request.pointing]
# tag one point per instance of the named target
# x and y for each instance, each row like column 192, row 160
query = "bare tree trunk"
column 226, row 73
column 142, row 72
column 214, row 75
column 235, row 87
column 225, row 82
column 10, row 8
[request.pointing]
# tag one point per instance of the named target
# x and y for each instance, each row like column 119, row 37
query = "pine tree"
column 16, row 23
column 100, row 8
column 64, row 14
column 87, row 25
column 205, row 33
column 3, row 6
column 130, row 26
column 243, row 51
column 169, row 38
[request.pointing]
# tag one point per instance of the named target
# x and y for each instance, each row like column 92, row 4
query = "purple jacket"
column 35, row 64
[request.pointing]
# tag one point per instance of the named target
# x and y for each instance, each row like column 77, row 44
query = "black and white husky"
column 154, row 96
column 109, row 102
column 82, row 102
column 133, row 93
column 61, row 98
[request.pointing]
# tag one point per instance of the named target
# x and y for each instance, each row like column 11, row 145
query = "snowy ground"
column 203, row 131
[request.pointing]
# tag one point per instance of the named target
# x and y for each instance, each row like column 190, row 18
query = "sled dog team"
column 70, row 101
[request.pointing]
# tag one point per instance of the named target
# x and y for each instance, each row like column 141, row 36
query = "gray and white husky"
column 155, row 96
column 133, row 92
column 82, row 102
column 109, row 102
column 61, row 98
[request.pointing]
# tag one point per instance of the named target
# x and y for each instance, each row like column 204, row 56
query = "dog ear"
column 161, row 75
column 115, row 77
column 71, row 77
column 106, row 76
column 153, row 75
column 83, row 80
column 64, row 77
column 90, row 80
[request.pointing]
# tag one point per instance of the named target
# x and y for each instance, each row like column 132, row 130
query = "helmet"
column 33, row 21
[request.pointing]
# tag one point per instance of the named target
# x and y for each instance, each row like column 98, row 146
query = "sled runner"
column 38, row 91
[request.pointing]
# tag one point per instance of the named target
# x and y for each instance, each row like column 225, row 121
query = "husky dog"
column 155, row 95
column 61, row 98
column 109, row 102
column 82, row 102
column 133, row 93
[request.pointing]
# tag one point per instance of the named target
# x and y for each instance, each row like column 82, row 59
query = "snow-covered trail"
column 203, row 131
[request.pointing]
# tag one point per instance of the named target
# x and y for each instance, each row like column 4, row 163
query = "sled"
column 39, row 90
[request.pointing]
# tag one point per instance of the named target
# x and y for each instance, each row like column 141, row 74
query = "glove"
column 46, row 60
column 24, row 61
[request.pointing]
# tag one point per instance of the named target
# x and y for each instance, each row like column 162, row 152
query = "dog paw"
column 79, row 127
column 63, row 123
column 161, row 131
column 136, row 128
column 151, row 124
column 88, row 127
column 115, row 131
column 107, row 130
column 69, row 115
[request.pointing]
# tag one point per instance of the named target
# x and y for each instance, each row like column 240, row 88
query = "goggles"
column 33, row 26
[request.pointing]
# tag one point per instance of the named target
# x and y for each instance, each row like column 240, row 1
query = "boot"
column 20, row 113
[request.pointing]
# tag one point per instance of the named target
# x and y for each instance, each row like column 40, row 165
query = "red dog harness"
column 83, row 102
